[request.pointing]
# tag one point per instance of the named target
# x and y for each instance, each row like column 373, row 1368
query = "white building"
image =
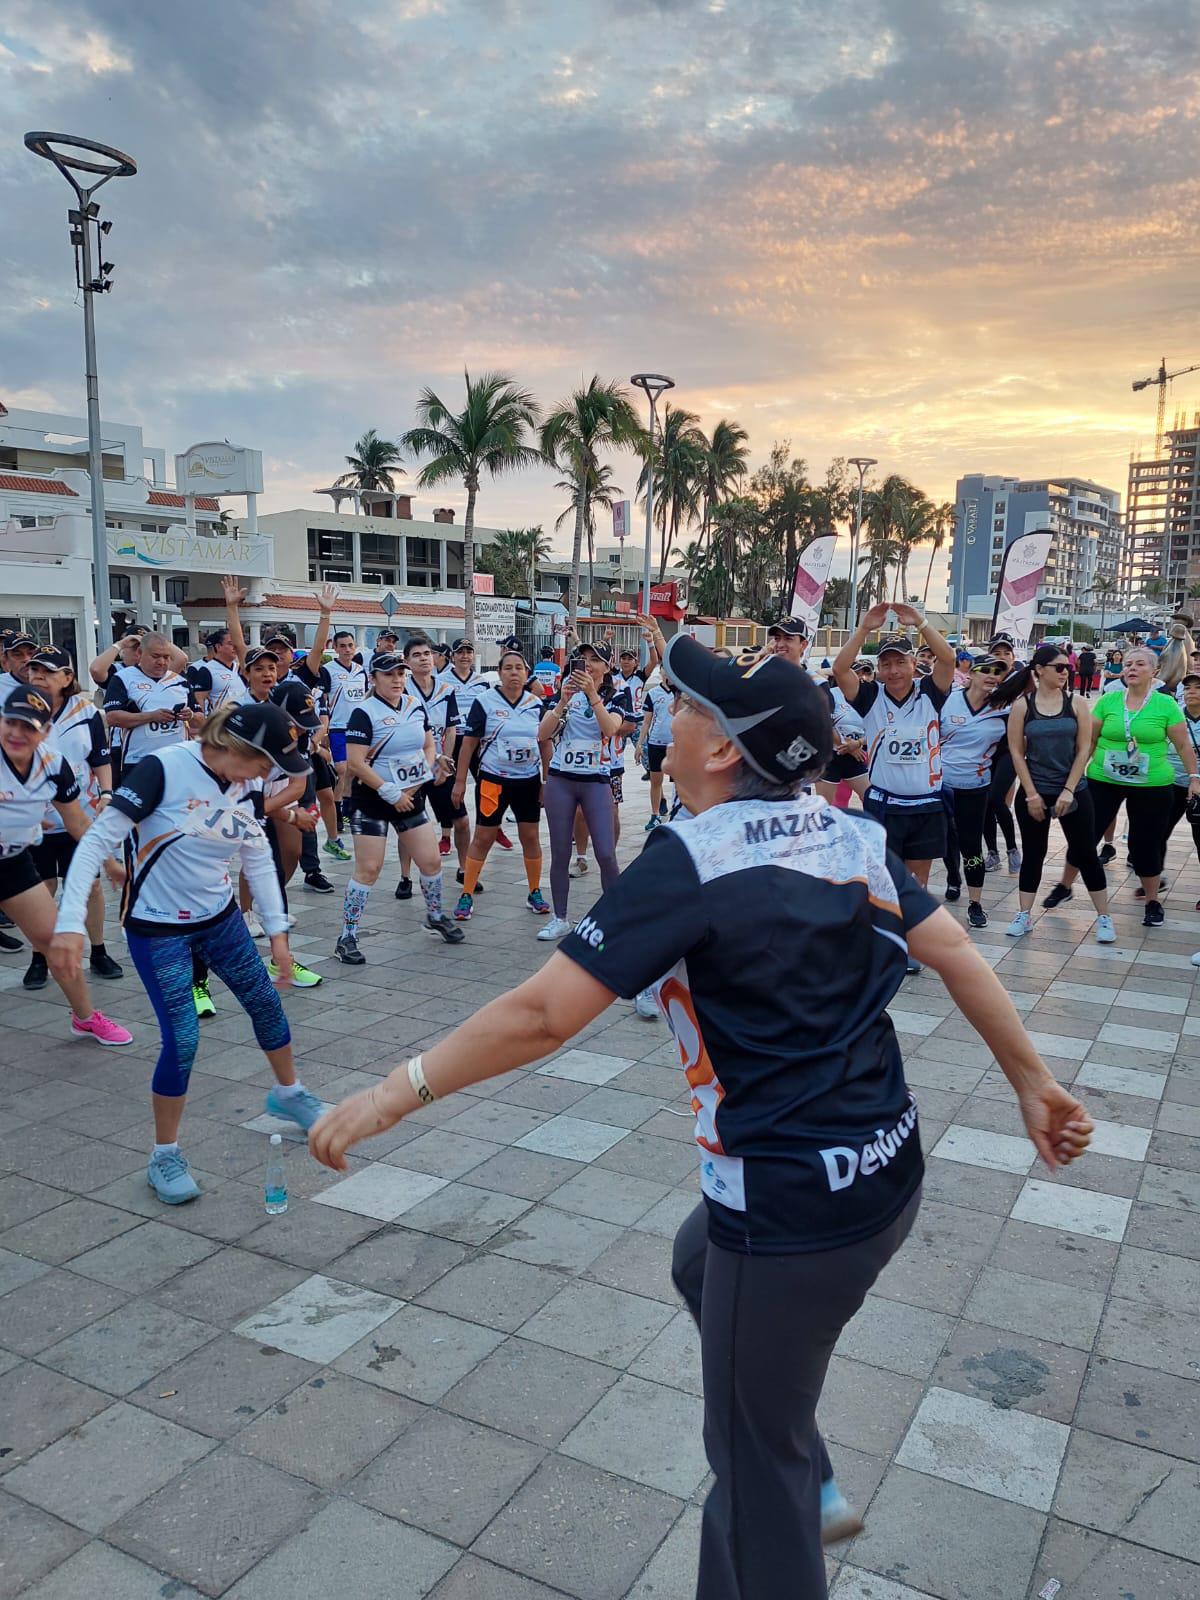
column 156, row 561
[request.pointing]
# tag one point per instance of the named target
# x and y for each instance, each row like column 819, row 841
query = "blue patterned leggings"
column 164, row 965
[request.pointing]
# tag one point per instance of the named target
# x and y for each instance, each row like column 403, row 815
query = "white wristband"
column 389, row 793
column 416, row 1076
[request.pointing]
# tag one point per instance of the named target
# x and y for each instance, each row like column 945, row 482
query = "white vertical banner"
column 809, row 580
column 621, row 524
column 1020, row 579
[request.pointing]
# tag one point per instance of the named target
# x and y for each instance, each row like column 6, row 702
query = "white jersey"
column 78, row 733
column 466, row 690
column 23, row 800
column 440, row 705
column 580, row 749
column 635, row 683
column 7, row 685
column 394, row 738
column 181, row 827
column 350, row 686
column 847, row 723
column 507, row 733
column 904, row 743
column 659, row 700
column 969, row 740
column 223, row 685
column 129, row 689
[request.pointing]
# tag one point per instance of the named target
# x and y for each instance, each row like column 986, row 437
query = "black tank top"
column 1050, row 745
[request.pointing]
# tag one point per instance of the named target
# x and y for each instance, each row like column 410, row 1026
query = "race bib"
column 519, row 755
column 905, row 752
column 579, row 755
column 1121, row 767
column 355, row 691
column 408, row 777
column 224, row 824
column 165, row 728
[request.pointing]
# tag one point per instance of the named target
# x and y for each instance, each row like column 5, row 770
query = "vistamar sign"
column 219, row 468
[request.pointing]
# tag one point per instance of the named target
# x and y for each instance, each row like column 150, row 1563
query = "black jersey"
column 776, row 931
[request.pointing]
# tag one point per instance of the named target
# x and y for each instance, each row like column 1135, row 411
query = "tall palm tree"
column 587, row 490
column 943, row 521
column 914, row 525
column 373, row 464
column 726, row 455
column 513, row 556
column 490, row 434
column 679, row 451
column 881, row 516
column 592, row 419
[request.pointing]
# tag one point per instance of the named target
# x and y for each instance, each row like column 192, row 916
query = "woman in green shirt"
column 1132, row 727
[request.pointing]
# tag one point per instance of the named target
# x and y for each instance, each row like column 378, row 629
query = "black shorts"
column 654, row 756
column 842, row 768
column 17, row 875
column 371, row 817
column 494, row 796
column 52, row 855
column 912, row 835
column 437, row 796
column 323, row 774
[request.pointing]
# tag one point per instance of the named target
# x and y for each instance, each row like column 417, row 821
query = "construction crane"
column 1162, row 378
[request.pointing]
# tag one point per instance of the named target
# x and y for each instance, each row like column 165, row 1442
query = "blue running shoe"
column 303, row 1109
column 838, row 1519
column 170, row 1179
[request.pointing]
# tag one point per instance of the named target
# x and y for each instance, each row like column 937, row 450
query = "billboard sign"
column 219, row 468
column 483, row 582
column 495, row 619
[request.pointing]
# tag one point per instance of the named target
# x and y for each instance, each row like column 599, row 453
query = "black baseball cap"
column 461, row 644
column 56, row 659
column 771, row 709
column 21, row 641
column 791, row 627
column 27, row 705
column 601, row 650
column 386, row 661
column 1002, row 638
column 268, row 728
column 388, row 633
column 278, row 638
column 510, row 641
column 296, row 698
column 628, row 652
column 899, row 644
column 256, row 653
column 7, row 635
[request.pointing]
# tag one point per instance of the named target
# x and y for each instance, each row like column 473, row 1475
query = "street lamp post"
column 64, row 150
column 654, row 384
column 863, row 463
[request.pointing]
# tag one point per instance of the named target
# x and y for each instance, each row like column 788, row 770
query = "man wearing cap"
column 900, row 717
column 148, row 702
column 810, row 1161
column 788, row 638
column 16, row 652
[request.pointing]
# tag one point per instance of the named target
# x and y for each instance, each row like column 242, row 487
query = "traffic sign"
column 389, row 605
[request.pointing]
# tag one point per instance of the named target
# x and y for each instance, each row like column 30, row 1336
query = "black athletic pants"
column 1081, row 830
column 767, row 1330
column 1148, row 815
column 1004, row 775
column 965, row 836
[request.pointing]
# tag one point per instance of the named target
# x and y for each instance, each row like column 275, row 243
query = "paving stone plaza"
column 461, row 1370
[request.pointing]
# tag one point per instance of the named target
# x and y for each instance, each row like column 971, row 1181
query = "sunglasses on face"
column 1059, row 666
column 994, row 671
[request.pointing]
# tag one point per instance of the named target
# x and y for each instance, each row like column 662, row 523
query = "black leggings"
column 1148, row 814
column 1004, row 775
column 1179, row 800
column 1081, row 832
column 965, row 836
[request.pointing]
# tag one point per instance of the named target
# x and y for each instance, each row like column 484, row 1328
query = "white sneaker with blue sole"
column 303, row 1109
column 168, row 1175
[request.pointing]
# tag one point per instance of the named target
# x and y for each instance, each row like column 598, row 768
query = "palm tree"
column 943, row 521
column 595, row 418
column 489, row 435
column 373, row 465
column 587, row 490
column 1105, row 588
column 881, row 516
column 513, row 556
column 725, row 458
column 679, row 452
column 914, row 524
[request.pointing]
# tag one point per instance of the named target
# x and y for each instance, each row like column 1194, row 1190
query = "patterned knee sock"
column 431, row 888
column 353, row 907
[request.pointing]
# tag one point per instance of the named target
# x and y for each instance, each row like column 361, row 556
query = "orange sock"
column 533, row 872
column 471, row 874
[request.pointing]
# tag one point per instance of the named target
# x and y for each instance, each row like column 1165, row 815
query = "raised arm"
column 326, row 597
column 103, row 665
column 943, row 653
column 843, row 662
column 234, row 595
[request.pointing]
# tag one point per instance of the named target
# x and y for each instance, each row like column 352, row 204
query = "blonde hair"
column 1173, row 663
column 216, row 735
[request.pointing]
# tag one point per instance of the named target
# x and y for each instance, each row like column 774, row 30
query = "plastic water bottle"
column 276, row 1178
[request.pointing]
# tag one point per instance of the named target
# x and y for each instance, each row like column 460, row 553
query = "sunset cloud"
column 948, row 233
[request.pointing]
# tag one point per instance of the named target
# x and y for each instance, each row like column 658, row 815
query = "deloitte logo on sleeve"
column 591, row 933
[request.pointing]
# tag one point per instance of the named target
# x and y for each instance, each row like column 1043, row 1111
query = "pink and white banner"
column 808, row 585
column 1020, row 579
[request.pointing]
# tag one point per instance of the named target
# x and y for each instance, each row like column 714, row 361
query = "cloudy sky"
column 946, row 233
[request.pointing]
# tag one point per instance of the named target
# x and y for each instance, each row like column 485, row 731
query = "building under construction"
column 1162, row 517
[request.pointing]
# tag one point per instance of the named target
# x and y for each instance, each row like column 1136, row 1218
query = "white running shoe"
column 253, row 926
column 578, row 867
column 1105, row 932
column 646, row 1005
column 1020, row 925
column 556, row 928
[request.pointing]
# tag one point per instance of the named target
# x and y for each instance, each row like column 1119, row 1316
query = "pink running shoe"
column 101, row 1028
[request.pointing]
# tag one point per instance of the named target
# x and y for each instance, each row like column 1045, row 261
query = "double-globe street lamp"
column 654, row 384
column 72, row 155
column 863, row 463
